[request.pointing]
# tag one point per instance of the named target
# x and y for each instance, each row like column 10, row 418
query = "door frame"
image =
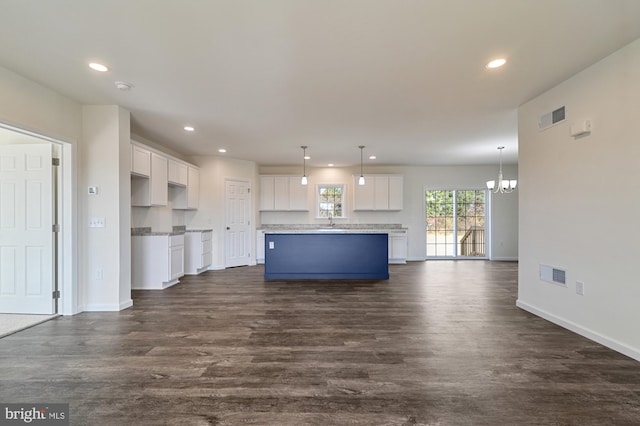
column 66, row 200
column 487, row 220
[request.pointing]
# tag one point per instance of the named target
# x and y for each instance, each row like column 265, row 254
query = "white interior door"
column 26, row 229
column 238, row 227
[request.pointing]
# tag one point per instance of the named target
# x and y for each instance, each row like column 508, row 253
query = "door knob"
column 228, row 228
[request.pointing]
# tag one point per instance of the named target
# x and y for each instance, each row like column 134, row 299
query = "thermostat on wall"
column 93, row 190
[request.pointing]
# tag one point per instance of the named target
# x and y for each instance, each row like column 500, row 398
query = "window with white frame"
column 330, row 200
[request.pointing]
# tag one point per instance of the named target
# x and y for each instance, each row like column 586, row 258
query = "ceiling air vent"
column 553, row 275
column 551, row 118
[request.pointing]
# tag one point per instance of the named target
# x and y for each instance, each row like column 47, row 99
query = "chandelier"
column 505, row 186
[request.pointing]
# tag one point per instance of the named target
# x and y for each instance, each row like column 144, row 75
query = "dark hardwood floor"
column 440, row 343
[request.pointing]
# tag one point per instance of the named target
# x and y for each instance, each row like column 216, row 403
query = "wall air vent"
column 551, row 118
column 553, row 275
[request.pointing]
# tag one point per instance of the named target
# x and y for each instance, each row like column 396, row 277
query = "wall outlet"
column 580, row 288
column 97, row 222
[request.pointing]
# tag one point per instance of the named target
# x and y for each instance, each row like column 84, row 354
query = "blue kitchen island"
column 326, row 256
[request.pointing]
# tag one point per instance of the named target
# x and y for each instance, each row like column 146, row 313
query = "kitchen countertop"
column 177, row 230
column 337, row 228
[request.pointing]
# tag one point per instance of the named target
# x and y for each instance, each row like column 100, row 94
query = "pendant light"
column 304, row 180
column 505, row 186
column 361, row 179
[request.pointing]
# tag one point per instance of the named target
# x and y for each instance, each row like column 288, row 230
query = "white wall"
column 415, row 181
column 106, row 252
column 211, row 213
column 580, row 203
column 27, row 105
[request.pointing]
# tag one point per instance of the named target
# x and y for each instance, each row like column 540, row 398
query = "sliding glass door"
column 455, row 222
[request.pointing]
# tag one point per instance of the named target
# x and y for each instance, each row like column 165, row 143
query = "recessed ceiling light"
column 372, row 157
column 222, row 150
column 98, row 67
column 330, row 165
column 496, row 63
column 189, row 128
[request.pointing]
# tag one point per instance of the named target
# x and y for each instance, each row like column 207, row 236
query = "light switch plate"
column 97, row 222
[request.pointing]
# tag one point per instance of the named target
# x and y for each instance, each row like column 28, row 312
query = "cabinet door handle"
column 228, row 228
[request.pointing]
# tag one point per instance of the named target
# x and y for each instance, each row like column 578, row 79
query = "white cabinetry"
column 152, row 190
column 380, row 192
column 158, row 180
column 398, row 247
column 157, row 261
column 198, row 254
column 177, row 173
column 259, row 247
column 187, row 197
column 140, row 161
column 283, row 193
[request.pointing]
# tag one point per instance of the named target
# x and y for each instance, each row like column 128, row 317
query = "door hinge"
column 56, row 228
column 56, row 294
column 55, row 161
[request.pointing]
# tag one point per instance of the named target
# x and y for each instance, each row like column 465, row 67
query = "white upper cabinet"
column 297, row 194
column 157, row 178
column 395, row 192
column 140, row 161
column 177, row 173
column 187, row 197
column 152, row 190
column 267, row 193
column 159, row 182
column 380, row 192
column 283, row 193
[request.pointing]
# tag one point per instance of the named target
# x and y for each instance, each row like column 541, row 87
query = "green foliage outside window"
column 330, row 199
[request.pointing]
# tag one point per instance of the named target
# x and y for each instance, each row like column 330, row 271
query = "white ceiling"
column 405, row 78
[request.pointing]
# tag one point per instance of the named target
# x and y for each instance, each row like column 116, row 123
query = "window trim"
column 344, row 200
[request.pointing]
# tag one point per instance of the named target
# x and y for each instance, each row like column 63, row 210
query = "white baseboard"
column 585, row 332
column 505, row 259
column 215, row 267
column 109, row 308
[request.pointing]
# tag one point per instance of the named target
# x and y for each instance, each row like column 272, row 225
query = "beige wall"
column 580, row 203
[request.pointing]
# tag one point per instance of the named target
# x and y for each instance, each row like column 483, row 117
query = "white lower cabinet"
column 259, row 247
column 398, row 247
column 157, row 261
column 198, row 251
